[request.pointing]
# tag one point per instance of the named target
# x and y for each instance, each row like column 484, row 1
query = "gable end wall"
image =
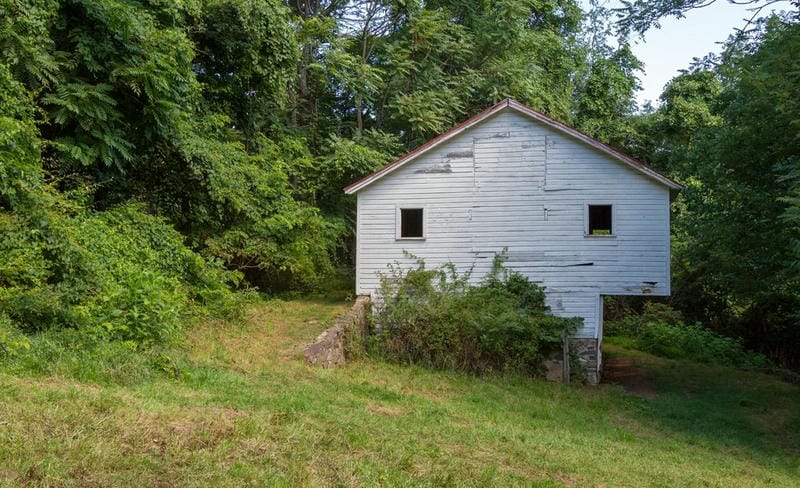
column 511, row 182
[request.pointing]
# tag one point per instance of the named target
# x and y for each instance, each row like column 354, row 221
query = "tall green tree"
column 418, row 67
column 642, row 15
column 171, row 104
column 245, row 57
column 451, row 59
column 607, row 82
column 730, row 130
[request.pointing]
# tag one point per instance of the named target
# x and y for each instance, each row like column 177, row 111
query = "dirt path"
column 625, row 372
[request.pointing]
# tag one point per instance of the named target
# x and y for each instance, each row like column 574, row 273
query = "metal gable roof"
column 525, row 110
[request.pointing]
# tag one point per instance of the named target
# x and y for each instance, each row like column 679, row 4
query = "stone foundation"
column 585, row 362
column 589, row 357
column 330, row 348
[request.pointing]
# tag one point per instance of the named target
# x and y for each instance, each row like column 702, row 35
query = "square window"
column 411, row 226
column 600, row 217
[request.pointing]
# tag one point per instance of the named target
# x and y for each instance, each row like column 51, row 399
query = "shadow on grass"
column 746, row 414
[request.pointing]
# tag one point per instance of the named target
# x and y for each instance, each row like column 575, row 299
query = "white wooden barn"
column 576, row 216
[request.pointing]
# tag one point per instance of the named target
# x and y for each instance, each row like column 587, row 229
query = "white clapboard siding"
column 513, row 185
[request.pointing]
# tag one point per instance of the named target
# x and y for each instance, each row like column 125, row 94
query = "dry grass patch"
column 192, row 429
column 274, row 330
column 390, row 410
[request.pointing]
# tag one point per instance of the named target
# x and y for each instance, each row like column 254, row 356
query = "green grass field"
column 248, row 412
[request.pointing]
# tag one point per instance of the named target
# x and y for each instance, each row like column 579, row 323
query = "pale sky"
column 671, row 48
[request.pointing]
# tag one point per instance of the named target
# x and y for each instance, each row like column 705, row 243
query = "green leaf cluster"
column 437, row 318
column 20, row 174
column 661, row 330
column 416, row 68
column 119, row 274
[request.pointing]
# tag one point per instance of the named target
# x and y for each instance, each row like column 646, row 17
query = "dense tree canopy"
column 730, row 129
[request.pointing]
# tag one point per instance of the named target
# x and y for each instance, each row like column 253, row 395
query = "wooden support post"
column 565, row 361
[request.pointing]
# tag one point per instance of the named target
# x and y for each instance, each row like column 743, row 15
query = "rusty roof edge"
column 419, row 150
column 634, row 163
column 524, row 109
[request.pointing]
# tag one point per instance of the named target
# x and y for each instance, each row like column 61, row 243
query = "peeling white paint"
column 526, row 191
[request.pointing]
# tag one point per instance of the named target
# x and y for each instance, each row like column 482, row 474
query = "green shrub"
column 19, row 145
column 635, row 325
column 119, row 275
column 12, row 340
column 435, row 318
column 660, row 330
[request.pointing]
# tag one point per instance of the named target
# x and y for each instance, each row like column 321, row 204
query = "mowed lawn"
column 248, row 412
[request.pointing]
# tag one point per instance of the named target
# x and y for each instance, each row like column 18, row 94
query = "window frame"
column 586, row 217
column 399, row 222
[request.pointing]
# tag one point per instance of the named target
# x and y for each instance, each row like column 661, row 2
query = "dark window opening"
column 600, row 220
column 410, row 222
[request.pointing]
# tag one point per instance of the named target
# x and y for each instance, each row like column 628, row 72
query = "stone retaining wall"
column 586, row 361
column 330, row 348
column 589, row 357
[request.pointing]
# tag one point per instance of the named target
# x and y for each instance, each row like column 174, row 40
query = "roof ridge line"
column 524, row 109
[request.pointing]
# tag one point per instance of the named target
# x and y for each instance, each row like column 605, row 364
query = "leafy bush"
column 19, row 149
column 660, row 330
column 12, row 341
column 250, row 219
column 435, row 318
column 119, row 275
column 635, row 325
